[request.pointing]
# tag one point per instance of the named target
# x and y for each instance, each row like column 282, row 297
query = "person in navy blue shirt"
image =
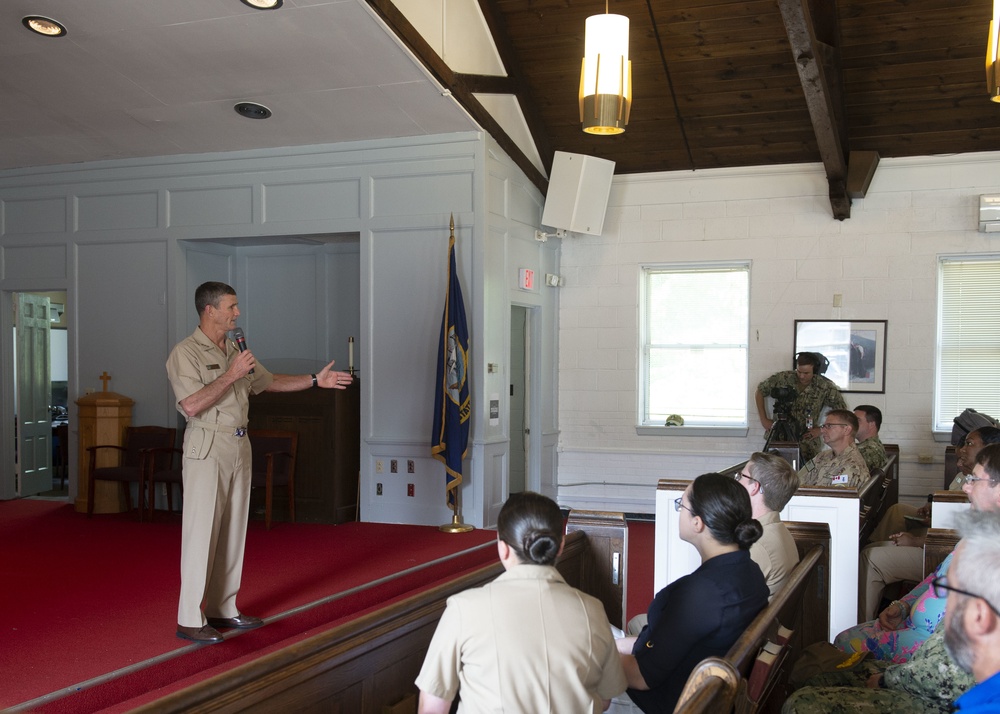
column 704, row 613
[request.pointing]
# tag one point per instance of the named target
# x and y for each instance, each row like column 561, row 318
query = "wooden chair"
column 61, row 434
column 130, row 468
column 163, row 466
column 274, row 465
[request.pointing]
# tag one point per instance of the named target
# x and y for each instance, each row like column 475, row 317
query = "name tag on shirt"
column 842, row 479
column 212, row 366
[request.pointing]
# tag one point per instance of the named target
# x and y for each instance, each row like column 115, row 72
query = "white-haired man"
column 972, row 615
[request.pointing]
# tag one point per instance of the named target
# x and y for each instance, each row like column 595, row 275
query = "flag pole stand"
column 456, row 525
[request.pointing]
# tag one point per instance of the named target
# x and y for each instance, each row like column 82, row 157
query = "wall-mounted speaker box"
column 989, row 214
column 578, row 193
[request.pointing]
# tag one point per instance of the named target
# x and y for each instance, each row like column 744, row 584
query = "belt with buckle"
column 238, row 431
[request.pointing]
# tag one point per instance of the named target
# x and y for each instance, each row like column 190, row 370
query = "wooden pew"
column 946, row 505
column 711, row 688
column 878, row 493
column 369, row 663
column 890, row 493
column 601, row 570
column 938, row 544
column 950, row 465
column 813, row 623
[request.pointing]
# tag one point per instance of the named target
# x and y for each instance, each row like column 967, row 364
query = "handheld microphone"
column 241, row 341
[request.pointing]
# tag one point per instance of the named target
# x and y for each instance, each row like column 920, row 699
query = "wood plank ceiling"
column 726, row 83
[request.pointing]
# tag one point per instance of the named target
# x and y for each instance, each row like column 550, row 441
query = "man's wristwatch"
column 315, row 381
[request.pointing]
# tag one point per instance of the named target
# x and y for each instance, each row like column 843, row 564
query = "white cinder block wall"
column 882, row 260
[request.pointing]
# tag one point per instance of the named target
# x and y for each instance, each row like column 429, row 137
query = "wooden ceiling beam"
column 405, row 31
column 519, row 85
column 486, row 84
column 818, row 65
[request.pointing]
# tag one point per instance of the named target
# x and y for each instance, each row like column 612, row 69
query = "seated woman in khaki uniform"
column 527, row 642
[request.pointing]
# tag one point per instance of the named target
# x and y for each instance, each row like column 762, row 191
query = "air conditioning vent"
column 989, row 214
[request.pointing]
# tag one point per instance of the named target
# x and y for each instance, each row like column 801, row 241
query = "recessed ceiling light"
column 250, row 110
column 263, row 4
column 45, row 26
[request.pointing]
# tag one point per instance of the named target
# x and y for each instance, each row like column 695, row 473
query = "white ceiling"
column 135, row 78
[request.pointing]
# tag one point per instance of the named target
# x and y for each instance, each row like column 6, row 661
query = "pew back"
column 602, row 567
column 938, row 544
column 950, row 465
column 947, row 504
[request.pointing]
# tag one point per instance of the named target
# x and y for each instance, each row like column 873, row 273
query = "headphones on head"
column 823, row 362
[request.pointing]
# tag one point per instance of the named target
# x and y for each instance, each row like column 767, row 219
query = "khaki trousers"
column 881, row 564
column 216, row 475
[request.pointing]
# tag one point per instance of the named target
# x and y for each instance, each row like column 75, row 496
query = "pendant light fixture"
column 992, row 63
column 606, row 77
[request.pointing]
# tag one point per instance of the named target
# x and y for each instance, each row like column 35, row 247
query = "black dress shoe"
column 240, row 622
column 206, row 635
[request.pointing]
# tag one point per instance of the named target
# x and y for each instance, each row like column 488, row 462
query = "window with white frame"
column 695, row 325
column 968, row 338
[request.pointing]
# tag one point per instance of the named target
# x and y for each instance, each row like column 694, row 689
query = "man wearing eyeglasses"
column 771, row 482
column 972, row 615
column 970, row 629
column 896, row 554
column 842, row 464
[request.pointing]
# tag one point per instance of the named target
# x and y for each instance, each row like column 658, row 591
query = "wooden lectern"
column 103, row 417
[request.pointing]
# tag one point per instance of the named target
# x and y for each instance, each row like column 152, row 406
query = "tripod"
column 781, row 430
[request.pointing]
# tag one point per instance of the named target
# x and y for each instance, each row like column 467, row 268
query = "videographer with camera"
column 800, row 396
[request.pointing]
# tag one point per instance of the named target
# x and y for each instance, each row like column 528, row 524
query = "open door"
column 34, row 395
column 519, row 412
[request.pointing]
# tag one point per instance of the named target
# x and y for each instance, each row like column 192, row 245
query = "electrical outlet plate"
column 394, row 466
column 410, row 467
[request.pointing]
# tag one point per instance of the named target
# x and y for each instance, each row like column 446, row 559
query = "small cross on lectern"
column 105, row 377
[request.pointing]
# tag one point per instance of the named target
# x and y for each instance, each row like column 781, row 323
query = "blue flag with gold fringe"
column 452, row 405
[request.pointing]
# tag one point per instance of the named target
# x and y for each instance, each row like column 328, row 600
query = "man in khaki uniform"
column 771, row 483
column 212, row 381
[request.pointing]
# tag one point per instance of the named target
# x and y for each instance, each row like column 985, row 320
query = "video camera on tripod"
column 781, row 429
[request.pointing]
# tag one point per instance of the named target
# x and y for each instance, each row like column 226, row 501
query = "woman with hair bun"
column 527, row 642
column 702, row 614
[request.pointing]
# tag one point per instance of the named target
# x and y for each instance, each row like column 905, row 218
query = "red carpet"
column 84, row 597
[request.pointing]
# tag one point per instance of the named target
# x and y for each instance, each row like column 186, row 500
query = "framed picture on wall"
column 855, row 349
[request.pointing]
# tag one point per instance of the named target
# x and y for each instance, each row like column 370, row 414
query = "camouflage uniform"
column 873, row 452
column 927, row 684
column 821, row 470
column 808, row 405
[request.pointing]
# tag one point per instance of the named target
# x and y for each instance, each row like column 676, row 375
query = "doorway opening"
column 519, row 412
column 41, row 395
